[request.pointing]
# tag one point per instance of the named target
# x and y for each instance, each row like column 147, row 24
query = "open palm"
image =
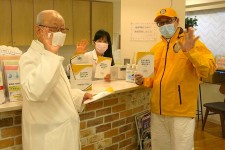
column 47, row 41
column 81, row 46
column 189, row 40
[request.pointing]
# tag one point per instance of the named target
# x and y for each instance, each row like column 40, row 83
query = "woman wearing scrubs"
column 103, row 47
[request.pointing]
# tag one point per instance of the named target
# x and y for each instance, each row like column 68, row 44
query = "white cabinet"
column 40, row 5
column 5, row 22
column 22, row 22
column 64, row 7
column 81, row 20
column 102, row 17
column 82, row 17
column 89, row 17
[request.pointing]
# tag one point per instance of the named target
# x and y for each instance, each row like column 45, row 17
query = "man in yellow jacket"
column 180, row 59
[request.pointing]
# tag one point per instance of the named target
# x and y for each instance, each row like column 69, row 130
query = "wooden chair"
column 215, row 108
column 199, row 104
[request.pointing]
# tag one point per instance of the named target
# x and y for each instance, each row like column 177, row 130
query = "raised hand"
column 81, row 46
column 47, row 40
column 189, row 40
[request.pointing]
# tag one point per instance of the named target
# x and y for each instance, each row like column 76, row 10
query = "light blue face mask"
column 167, row 30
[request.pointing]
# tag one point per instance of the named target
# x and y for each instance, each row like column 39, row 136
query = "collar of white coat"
column 95, row 56
column 39, row 47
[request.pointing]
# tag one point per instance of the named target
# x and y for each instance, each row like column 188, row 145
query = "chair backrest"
column 222, row 88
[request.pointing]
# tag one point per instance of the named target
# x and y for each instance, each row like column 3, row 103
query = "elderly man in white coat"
column 50, row 119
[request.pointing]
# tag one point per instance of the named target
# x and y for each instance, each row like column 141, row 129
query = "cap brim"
column 163, row 16
column 157, row 18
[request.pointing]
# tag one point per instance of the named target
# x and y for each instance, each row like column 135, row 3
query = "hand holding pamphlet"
column 145, row 62
column 100, row 95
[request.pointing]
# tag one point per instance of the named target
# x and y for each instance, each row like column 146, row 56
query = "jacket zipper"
column 160, row 90
column 180, row 97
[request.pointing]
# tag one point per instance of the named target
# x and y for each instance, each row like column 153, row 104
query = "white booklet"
column 145, row 62
column 103, row 67
column 78, row 59
column 2, row 95
column 12, row 80
column 81, row 76
column 100, row 95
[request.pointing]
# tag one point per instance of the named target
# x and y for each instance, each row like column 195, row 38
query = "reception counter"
column 108, row 123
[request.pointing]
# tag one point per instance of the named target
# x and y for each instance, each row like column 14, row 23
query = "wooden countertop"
column 10, row 106
column 118, row 86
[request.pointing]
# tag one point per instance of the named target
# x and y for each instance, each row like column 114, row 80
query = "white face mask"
column 101, row 47
column 167, row 30
column 58, row 38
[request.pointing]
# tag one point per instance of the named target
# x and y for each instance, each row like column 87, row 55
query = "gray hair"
column 41, row 14
column 40, row 18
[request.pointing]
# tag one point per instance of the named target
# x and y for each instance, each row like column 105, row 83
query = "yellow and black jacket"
column 176, row 76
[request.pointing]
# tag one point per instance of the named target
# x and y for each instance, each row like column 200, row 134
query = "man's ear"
column 37, row 29
column 178, row 20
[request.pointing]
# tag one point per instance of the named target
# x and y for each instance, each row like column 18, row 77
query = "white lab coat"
column 50, row 119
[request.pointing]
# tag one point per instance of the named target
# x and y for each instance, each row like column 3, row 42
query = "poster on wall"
column 144, row 31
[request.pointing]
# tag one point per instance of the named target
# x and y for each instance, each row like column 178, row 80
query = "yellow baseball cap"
column 168, row 12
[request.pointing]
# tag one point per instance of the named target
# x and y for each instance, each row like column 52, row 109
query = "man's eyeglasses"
column 169, row 21
column 56, row 29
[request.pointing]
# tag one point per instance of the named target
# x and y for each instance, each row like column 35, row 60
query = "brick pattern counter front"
column 106, row 124
column 109, row 124
column 10, row 126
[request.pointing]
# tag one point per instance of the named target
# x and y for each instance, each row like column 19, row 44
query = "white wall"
column 211, row 29
column 116, row 23
column 212, row 33
column 138, row 12
column 194, row 5
column 194, row 2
